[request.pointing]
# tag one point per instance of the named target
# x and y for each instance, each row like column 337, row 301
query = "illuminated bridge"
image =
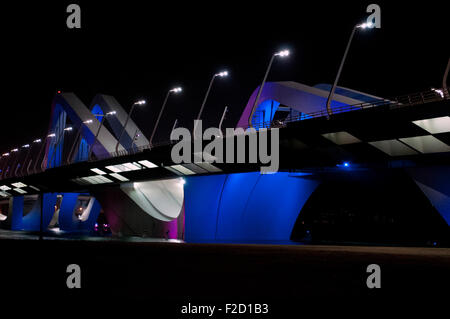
column 370, row 166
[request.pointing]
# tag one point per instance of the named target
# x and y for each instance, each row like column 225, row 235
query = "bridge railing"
column 400, row 101
column 428, row 96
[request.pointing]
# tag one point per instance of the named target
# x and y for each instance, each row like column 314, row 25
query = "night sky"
column 131, row 50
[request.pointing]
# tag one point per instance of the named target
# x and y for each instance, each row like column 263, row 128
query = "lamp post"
column 280, row 54
column 222, row 118
column 141, row 102
column 174, row 90
column 330, row 96
column 98, row 131
column 220, row 74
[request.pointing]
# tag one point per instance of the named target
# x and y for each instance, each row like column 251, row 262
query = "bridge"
column 94, row 162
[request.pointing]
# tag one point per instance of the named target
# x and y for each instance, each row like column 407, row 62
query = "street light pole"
column 330, row 96
column 222, row 118
column 175, row 90
column 126, row 122
column 221, row 74
column 280, row 54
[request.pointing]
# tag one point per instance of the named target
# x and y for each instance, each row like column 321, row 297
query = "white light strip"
column 104, row 179
column 114, row 169
column 132, row 166
column 97, row 179
column 125, row 167
column 18, row 185
column 20, row 190
column 79, row 181
column 393, row 148
column 89, row 180
column 35, row 188
column 195, row 168
column 183, row 169
column 5, row 188
column 98, row 171
column 426, row 144
column 209, row 167
column 435, row 125
column 341, row 138
column 173, row 170
column 119, row 177
column 148, row 164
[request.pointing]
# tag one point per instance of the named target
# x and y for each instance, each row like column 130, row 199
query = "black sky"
column 133, row 49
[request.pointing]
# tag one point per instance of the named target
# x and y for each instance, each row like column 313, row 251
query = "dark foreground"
column 161, row 277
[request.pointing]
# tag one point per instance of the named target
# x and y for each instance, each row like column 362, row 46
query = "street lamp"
column 141, row 102
column 281, row 54
column 174, row 90
column 330, row 96
column 98, row 131
column 220, row 74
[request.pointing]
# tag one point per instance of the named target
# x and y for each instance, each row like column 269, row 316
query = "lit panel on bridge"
column 426, row 144
column 148, row 164
column 341, row 138
column 98, row 171
column 393, row 147
column 20, row 191
column 435, row 125
column 18, row 185
column 119, row 177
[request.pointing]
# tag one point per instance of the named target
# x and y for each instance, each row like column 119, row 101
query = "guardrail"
column 432, row 95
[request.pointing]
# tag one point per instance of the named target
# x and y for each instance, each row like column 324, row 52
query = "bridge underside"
column 383, row 205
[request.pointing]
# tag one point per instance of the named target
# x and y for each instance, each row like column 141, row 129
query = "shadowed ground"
column 165, row 275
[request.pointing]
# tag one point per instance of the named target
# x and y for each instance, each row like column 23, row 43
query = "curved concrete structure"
column 299, row 97
column 245, row 206
column 161, row 199
column 108, row 103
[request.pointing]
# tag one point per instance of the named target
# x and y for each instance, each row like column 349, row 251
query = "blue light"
column 346, row 164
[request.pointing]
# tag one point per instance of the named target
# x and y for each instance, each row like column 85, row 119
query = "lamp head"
column 283, row 53
column 176, row 90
